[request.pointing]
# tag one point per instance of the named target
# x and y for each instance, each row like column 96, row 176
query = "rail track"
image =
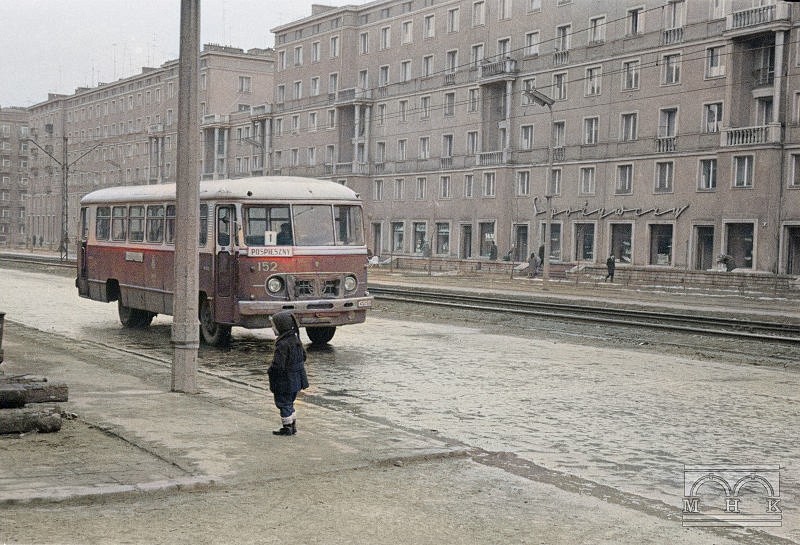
column 661, row 319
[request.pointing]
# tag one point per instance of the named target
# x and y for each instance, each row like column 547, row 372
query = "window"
column 420, row 237
column 402, row 149
column 478, row 13
column 407, row 32
column 102, row 222
column 427, row 66
column 331, row 118
column 421, row 188
column 503, row 48
column 560, row 86
column 425, row 107
column 451, row 61
column 555, row 182
column 298, row 55
column 447, row 145
column 363, row 79
column 442, row 238
column 314, row 86
column 334, row 47
column 474, row 99
column 672, row 69
column 397, row 236
column 136, row 224
column 424, row 147
column 312, row 121
column 280, row 94
column 590, row 130
column 381, row 114
column 794, row 181
column 298, row 90
column 449, row 104
column 635, row 22
column 469, row 182
column 526, row 137
column 673, row 14
column 743, row 171
column 405, row 71
column 503, row 9
column 597, row 30
column 429, row 26
column 660, row 244
column 714, row 66
column 630, row 75
column 534, row 5
column 562, row 38
column 707, row 178
column 377, row 190
column 315, row 52
column 155, row 223
column 403, row 109
column 380, row 152
column 624, row 180
column 398, row 189
column 385, row 38
column 119, row 222
column 244, row 84
column 453, row 16
column 488, row 184
column 383, row 76
column 664, row 175
column 667, row 122
column 532, row 43
column 476, row 55
column 523, row 183
column 445, row 190
column 584, row 241
column 363, row 43
column 629, row 127
column 333, row 83
column 587, row 181
column 559, row 133
column 593, row 78
column 472, row 142
column 712, row 117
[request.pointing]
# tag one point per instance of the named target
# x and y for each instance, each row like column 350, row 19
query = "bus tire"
column 320, row 335
column 133, row 317
column 211, row 332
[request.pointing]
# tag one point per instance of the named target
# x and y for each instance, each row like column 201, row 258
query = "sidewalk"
column 143, row 465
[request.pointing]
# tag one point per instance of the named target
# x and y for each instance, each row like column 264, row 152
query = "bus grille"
column 311, row 288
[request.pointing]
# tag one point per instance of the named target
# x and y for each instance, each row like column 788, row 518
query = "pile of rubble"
column 18, row 391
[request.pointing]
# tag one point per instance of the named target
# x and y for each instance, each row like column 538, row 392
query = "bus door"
column 225, row 264
column 83, row 272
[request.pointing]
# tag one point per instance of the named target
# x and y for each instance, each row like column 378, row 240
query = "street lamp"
column 541, row 99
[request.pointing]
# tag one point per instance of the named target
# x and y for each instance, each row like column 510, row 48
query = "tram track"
column 662, row 319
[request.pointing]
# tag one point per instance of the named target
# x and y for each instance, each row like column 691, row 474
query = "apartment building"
column 668, row 138
column 14, row 158
column 124, row 133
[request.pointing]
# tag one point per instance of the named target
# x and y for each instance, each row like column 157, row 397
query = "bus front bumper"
column 314, row 312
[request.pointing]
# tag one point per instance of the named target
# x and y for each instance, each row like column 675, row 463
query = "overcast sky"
column 54, row 46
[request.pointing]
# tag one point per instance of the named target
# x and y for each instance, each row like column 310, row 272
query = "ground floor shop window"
column 466, row 241
column 661, row 244
column 420, row 238
column 793, row 249
column 397, row 236
column 584, row 241
column 555, row 240
column 521, row 252
column 739, row 246
column 488, row 245
column 621, row 242
column 442, row 238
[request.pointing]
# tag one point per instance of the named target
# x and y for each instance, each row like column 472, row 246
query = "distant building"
column 673, row 135
column 124, row 133
column 15, row 155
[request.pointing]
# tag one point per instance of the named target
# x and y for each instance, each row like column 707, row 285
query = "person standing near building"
column 287, row 373
column 611, row 266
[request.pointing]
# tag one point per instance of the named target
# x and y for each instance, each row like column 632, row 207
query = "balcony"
column 492, row 158
column 499, row 69
column 666, row 144
column 355, row 94
column 764, row 76
column 156, row 128
column 560, row 58
column 672, row 36
column 745, row 136
column 744, row 21
column 445, row 163
column 215, row 120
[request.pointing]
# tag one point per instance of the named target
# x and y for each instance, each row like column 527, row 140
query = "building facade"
column 669, row 136
column 124, row 133
column 14, row 159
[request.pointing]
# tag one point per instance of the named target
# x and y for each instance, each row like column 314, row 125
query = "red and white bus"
column 266, row 244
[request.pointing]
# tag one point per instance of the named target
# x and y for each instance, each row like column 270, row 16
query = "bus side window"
column 225, row 225
column 84, row 223
column 155, row 223
column 102, row 222
column 203, row 235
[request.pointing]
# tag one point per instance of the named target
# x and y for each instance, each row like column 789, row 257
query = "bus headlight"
column 275, row 284
column 350, row 283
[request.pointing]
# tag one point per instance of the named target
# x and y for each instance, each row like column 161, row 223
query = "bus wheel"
column 320, row 335
column 211, row 332
column 133, row 317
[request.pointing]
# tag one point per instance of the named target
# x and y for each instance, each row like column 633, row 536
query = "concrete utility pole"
column 185, row 325
column 543, row 100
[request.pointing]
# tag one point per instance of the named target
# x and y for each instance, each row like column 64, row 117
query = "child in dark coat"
column 287, row 373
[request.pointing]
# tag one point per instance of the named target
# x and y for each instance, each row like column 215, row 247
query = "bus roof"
column 289, row 188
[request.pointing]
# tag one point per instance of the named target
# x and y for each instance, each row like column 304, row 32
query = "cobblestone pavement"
column 623, row 419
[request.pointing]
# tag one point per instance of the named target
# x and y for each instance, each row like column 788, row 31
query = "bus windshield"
column 307, row 225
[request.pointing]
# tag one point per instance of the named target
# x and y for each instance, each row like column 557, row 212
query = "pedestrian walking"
column 610, row 265
column 534, row 265
column 287, row 373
